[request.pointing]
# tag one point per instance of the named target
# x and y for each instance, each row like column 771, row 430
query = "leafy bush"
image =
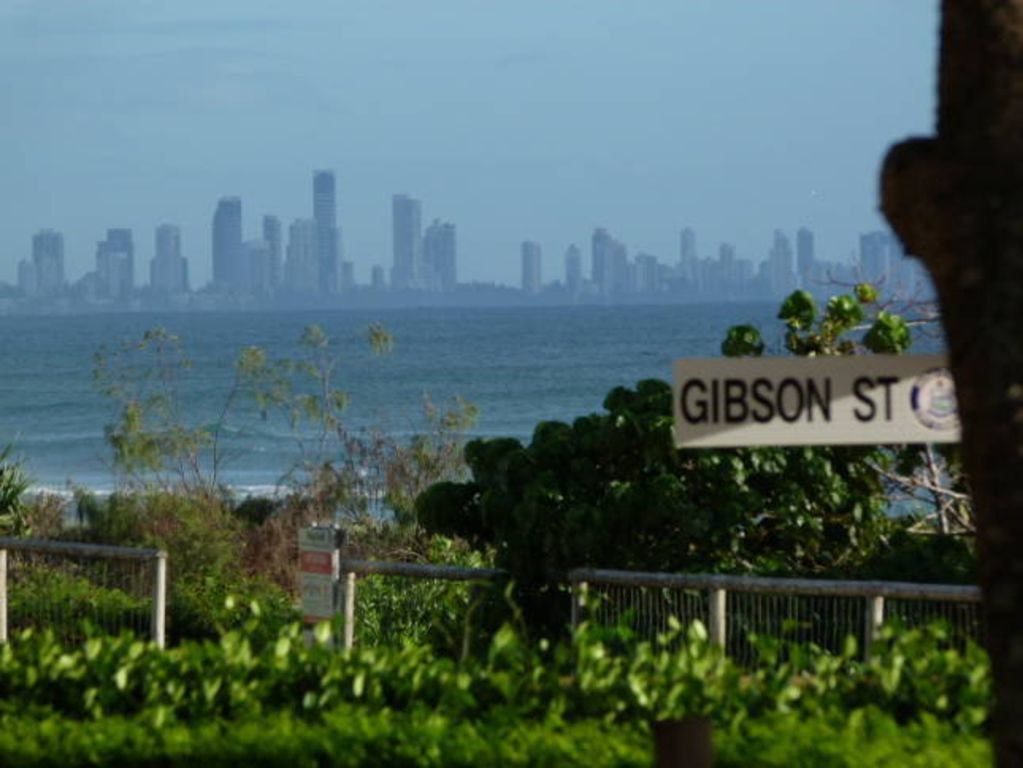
column 611, row 491
column 347, row 736
column 352, row 736
column 13, row 484
column 910, row 678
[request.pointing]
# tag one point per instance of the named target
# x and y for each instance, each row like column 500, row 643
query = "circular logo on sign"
column 934, row 400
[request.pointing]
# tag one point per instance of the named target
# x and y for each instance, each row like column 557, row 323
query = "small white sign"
column 317, row 594
column 318, row 563
column 860, row 399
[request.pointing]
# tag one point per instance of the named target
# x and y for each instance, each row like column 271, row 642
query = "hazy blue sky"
column 533, row 119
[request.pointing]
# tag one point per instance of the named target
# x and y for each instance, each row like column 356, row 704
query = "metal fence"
column 734, row 608
column 59, row 585
column 467, row 580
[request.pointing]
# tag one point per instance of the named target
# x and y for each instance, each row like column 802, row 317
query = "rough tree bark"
column 956, row 200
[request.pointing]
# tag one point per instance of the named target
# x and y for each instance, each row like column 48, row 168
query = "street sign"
column 318, row 563
column 860, row 399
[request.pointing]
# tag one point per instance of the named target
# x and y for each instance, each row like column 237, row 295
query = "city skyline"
column 272, row 270
column 732, row 116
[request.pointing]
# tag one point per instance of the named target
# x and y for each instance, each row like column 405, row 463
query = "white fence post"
column 874, row 621
column 349, row 610
column 718, row 617
column 3, row 595
column 579, row 591
column 158, row 629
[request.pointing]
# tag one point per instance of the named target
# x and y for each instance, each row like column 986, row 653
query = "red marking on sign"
column 315, row 562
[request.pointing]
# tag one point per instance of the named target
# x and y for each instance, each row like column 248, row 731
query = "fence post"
column 718, row 617
column 3, row 595
column 158, row 626
column 874, row 621
column 579, row 590
column 349, row 590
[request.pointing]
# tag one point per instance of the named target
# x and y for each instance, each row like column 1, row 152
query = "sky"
column 533, row 119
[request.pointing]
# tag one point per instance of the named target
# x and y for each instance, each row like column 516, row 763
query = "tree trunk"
column 957, row 203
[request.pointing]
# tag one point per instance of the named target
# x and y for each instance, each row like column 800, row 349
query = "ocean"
column 518, row 366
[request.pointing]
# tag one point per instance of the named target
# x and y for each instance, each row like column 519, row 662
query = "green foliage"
column 347, row 737
column 862, row 737
column 450, row 616
column 808, row 333
column 13, row 484
column 912, row 677
column 611, row 491
column 742, row 341
column 43, row 590
column 888, row 335
column 350, row 736
column 205, row 541
column 798, row 311
column 150, row 437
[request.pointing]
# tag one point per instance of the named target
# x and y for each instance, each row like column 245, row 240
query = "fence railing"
column 351, row 570
column 733, row 608
column 54, row 584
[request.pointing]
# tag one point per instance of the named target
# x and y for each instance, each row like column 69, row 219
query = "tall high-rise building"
column 257, row 259
column 48, row 260
column 440, row 254
column 301, row 268
column 688, row 260
column 531, row 255
column 168, row 270
column 806, row 258
column 327, row 239
column 406, row 231
column 378, row 278
column 347, row 276
column 272, row 236
column 573, row 270
column 647, row 274
column 229, row 270
column 781, row 277
column 876, row 256
column 602, row 248
column 115, row 265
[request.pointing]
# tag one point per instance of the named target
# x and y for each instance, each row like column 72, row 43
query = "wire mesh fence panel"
column 962, row 620
column 450, row 615
column 646, row 611
column 65, row 592
column 825, row 621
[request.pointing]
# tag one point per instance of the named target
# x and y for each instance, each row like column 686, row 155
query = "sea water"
column 518, row 366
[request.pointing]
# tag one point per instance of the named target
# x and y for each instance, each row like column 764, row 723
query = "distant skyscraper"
column 325, row 216
column 406, row 224
column 48, row 260
column 168, row 270
column 115, row 265
column 440, row 254
column 602, row 257
column 531, row 255
column 378, row 278
column 876, row 256
column 229, row 270
column 301, row 269
column 688, row 261
column 781, row 278
column 805, row 257
column 573, row 270
column 257, row 258
column 272, row 236
column 647, row 274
